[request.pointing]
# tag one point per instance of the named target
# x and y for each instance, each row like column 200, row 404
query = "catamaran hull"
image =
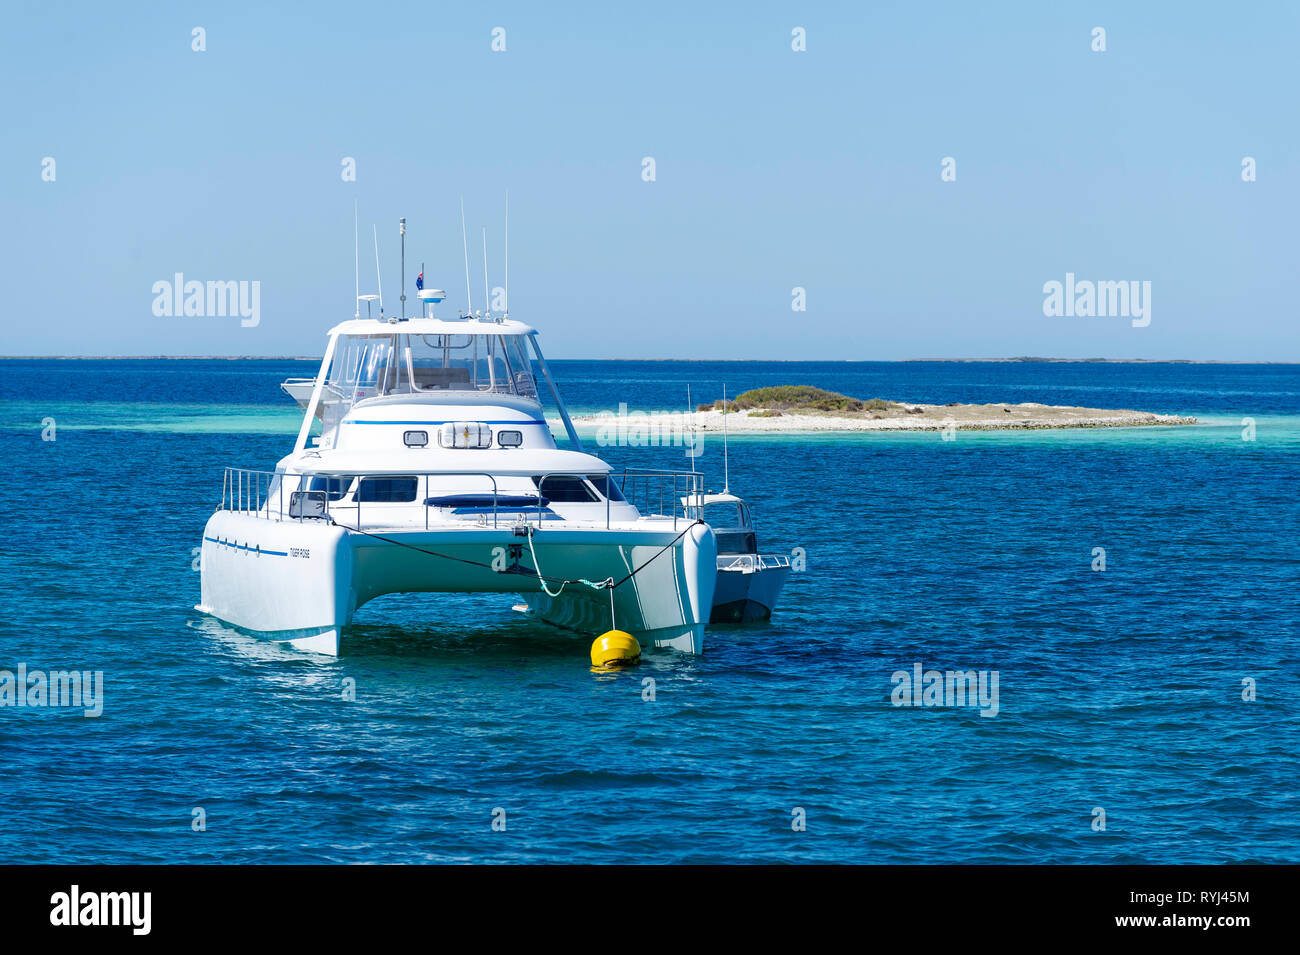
column 300, row 582
column 742, row 596
column 666, row 604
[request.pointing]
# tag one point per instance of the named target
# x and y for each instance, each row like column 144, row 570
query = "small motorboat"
column 749, row 583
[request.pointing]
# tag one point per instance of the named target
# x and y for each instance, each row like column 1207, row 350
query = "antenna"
column 691, row 417
column 726, row 472
column 401, row 230
column 486, row 295
column 507, row 309
column 465, row 244
column 378, row 275
column 356, row 259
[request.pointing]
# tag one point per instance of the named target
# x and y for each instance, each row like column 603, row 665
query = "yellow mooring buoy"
column 615, row 648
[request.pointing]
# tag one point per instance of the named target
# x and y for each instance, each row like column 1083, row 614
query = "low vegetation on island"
column 807, row 408
column 777, row 400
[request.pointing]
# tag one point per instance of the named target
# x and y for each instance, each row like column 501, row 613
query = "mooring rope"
column 608, row 582
column 537, row 568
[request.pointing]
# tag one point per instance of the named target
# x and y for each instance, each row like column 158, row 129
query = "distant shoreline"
column 786, row 361
column 901, row 416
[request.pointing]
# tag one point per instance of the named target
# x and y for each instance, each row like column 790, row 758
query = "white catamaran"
column 424, row 463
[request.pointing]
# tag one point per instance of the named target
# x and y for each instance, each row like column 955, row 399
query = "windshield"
column 400, row 362
column 368, row 365
column 724, row 514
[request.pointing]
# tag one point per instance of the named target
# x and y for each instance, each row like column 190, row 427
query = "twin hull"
column 301, row 581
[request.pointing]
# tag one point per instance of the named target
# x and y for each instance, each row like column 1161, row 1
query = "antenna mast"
column 726, row 472
column 507, row 309
column 378, row 275
column 487, row 297
column 465, row 245
column 691, row 413
column 356, row 261
column 401, row 230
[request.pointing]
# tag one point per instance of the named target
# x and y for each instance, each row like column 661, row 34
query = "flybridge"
column 474, row 360
column 477, row 360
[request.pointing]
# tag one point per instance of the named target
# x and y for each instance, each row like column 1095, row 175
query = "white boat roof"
column 431, row 326
column 707, row 499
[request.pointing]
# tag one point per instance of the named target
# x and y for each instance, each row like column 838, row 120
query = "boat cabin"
column 729, row 517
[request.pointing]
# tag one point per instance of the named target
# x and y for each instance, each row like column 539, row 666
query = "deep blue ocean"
column 1119, row 690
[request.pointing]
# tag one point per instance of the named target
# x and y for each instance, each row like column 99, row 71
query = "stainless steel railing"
column 270, row 494
column 675, row 494
column 752, row 562
column 247, row 490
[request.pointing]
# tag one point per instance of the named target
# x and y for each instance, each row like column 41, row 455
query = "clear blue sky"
column 775, row 169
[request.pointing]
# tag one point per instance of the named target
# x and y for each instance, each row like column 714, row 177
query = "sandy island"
column 776, row 410
column 936, row 417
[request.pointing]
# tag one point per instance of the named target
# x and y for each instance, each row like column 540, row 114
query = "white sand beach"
column 904, row 416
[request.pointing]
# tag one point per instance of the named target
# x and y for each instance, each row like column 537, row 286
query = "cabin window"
column 307, row 504
column 606, row 487
column 335, row 488
column 736, row 542
column 510, row 439
column 415, row 439
column 724, row 514
column 399, row 490
column 565, row 489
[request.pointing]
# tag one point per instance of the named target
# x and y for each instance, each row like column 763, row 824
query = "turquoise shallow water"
column 1118, row 690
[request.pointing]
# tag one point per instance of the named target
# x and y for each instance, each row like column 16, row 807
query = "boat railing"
column 656, row 493
column 248, row 491
column 752, row 562
column 265, row 494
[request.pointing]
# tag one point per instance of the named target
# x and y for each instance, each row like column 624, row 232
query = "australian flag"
column 419, row 282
